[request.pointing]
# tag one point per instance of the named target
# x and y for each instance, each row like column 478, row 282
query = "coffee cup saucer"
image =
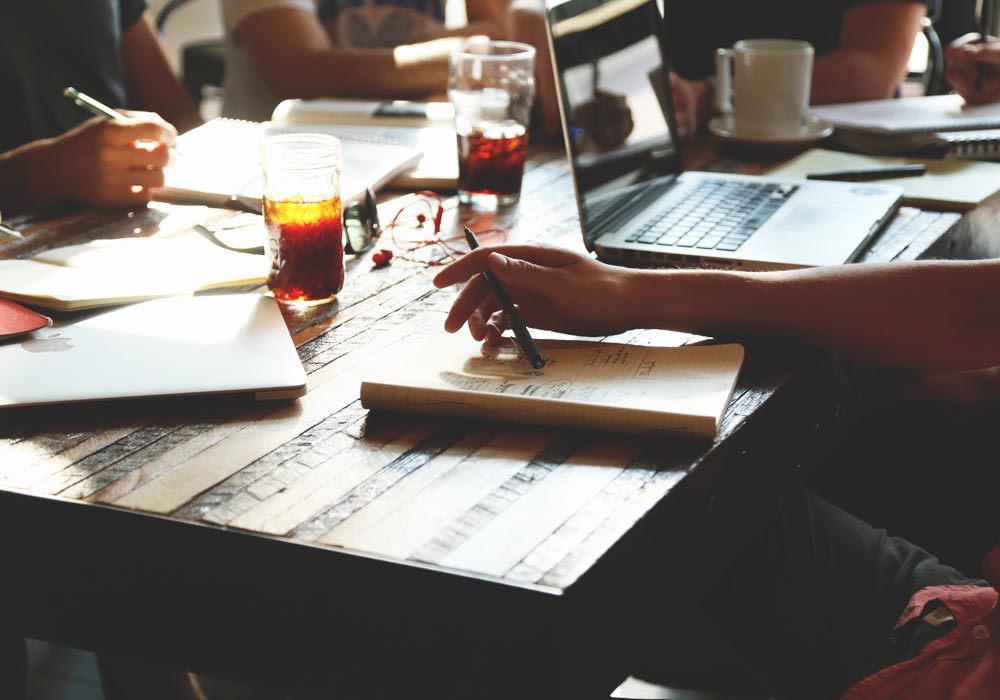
column 813, row 130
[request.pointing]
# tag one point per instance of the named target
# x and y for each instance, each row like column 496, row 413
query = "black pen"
column 871, row 174
column 524, row 339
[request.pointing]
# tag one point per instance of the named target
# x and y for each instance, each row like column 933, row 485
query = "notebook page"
column 579, row 379
column 911, row 114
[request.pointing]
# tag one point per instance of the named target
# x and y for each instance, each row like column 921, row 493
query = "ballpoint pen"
column 524, row 339
column 982, row 22
column 92, row 105
column 868, row 174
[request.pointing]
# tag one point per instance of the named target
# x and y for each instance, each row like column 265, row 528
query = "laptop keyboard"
column 715, row 215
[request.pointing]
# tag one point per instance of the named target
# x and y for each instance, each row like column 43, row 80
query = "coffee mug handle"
column 724, row 80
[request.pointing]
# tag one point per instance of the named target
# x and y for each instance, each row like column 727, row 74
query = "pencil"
column 524, row 339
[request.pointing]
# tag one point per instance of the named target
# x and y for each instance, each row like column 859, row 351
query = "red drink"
column 305, row 243
column 491, row 166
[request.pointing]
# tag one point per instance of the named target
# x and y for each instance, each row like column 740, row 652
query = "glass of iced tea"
column 491, row 85
column 303, row 217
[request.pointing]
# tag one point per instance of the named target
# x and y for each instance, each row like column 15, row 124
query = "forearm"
column 150, row 81
column 406, row 72
column 851, row 75
column 875, row 44
column 23, row 185
column 928, row 315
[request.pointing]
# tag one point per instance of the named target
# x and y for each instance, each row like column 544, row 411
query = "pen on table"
column 886, row 173
column 524, row 339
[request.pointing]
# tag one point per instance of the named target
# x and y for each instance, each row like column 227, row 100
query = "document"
column 606, row 386
column 947, row 184
column 221, row 158
column 427, row 126
column 121, row 271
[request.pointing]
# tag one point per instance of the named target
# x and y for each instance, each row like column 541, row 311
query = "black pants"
column 926, row 472
column 811, row 606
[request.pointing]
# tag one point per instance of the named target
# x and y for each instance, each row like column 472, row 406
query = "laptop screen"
column 616, row 105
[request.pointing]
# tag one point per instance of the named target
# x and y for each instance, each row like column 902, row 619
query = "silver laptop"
column 218, row 344
column 636, row 205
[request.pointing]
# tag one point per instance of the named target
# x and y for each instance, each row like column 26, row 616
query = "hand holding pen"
column 974, row 67
column 521, row 334
column 111, row 161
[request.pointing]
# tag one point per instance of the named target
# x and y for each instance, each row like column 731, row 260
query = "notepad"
column 221, row 158
column 432, row 132
column 605, row 386
column 121, row 271
column 947, row 184
column 911, row 115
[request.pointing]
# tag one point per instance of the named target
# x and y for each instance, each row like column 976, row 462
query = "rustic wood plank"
column 464, row 482
column 507, row 539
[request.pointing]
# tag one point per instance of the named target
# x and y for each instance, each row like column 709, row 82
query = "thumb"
column 520, row 273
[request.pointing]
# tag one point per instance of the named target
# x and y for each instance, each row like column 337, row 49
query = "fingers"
column 466, row 303
column 477, row 261
column 143, row 127
column 520, row 273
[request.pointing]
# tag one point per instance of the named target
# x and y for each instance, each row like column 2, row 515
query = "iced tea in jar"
column 303, row 216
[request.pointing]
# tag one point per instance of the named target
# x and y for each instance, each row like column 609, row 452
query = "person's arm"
column 297, row 60
column 150, row 82
column 875, row 45
column 931, row 315
column 974, row 68
column 101, row 162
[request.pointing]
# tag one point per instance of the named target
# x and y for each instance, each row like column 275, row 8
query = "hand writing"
column 554, row 289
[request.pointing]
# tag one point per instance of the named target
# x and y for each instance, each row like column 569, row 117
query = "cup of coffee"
column 762, row 85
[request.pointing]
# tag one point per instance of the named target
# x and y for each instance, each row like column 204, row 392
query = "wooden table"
column 312, row 544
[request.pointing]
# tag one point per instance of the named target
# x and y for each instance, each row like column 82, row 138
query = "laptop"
column 178, row 346
column 637, row 205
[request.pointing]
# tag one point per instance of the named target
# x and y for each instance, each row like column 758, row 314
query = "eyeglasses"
column 361, row 226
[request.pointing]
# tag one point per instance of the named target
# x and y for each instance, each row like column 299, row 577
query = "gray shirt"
column 47, row 45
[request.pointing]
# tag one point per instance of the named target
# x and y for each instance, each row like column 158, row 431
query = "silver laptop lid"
column 167, row 347
column 615, row 104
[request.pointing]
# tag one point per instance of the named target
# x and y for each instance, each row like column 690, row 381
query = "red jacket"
column 964, row 664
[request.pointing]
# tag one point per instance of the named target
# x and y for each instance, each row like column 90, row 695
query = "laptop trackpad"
column 811, row 219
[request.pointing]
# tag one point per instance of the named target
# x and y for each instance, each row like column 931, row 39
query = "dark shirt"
column 47, row 45
column 694, row 29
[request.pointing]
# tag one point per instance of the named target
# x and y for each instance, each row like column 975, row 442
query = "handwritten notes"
column 609, row 386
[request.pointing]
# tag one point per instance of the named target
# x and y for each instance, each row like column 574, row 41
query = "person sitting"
column 862, row 48
column 815, row 602
column 283, row 49
column 50, row 149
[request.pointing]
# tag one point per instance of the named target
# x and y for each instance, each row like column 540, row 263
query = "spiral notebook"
column 937, row 126
column 219, row 159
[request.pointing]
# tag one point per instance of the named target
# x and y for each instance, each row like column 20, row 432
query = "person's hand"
column 974, row 68
column 104, row 162
column 554, row 289
column 692, row 104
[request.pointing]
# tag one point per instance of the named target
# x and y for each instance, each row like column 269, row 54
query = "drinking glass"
column 491, row 85
column 303, row 216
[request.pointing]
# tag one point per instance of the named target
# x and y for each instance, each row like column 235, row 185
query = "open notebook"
column 126, row 270
column 605, row 386
column 221, row 158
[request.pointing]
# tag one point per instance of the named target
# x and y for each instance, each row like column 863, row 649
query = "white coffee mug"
column 763, row 85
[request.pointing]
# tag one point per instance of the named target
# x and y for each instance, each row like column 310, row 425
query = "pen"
column 873, row 174
column 92, row 105
column 8, row 231
column 524, row 339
